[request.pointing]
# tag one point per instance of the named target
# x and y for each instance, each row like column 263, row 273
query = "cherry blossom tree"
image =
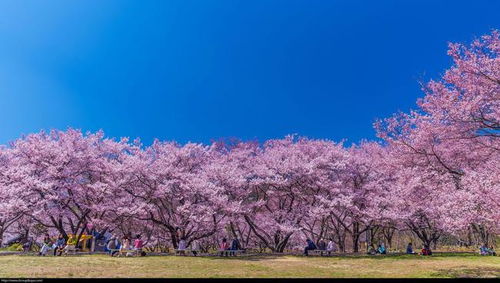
column 165, row 187
column 273, row 195
column 453, row 136
column 61, row 178
column 10, row 211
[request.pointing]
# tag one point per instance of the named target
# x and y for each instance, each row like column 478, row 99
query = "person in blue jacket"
column 381, row 249
column 409, row 249
column 310, row 246
column 59, row 245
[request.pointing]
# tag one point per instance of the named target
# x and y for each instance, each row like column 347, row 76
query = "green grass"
column 409, row 266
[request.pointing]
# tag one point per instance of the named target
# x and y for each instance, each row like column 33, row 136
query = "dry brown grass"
column 250, row 266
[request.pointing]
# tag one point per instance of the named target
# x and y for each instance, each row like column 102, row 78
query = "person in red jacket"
column 224, row 246
column 426, row 250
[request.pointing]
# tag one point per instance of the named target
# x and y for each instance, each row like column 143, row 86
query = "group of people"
column 322, row 246
column 113, row 246
column 484, row 250
column 409, row 250
column 125, row 247
column 226, row 249
column 59, row 245
column 380, row 250
column 182, row 247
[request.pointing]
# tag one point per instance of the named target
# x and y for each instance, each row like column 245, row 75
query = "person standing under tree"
column 195, row 246
column 138, row 244
column 224, row 246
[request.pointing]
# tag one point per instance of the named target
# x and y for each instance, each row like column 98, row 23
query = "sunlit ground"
column 445, row 265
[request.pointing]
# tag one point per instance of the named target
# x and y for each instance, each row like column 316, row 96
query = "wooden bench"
column 321, row 252
column 184, row 251
column 127, row 251
column 230, row 252
column 70, row 249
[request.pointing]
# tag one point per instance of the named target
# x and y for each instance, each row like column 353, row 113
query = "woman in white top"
column 195, row 246
column 125, row 246
column 330, row 247
column 182, row 246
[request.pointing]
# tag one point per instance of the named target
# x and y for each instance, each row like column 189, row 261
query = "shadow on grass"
column 268, row 256
column 246, row 257
column 412, row 256
column 259, row 257
column 478, row 272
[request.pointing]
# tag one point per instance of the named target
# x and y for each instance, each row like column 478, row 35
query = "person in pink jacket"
column 224, row 246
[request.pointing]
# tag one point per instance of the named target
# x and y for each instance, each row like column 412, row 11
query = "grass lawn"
column 445, row 265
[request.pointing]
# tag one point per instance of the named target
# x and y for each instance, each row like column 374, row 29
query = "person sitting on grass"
column 182, row 246
column 426, row 250
column 330, row 247
column 381, row 249
column 235, row 245
column 491, row 251
column 483, row 250
column 195, row 246
column 224, row 246
column 46, row 245
column 310, row 246
column 372, row 251
column 409, row 249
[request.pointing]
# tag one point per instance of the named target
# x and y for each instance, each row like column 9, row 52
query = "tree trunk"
column 2, row 231
column 355, row 237
column 388, row 235
column 482, row 233
column 174, row 239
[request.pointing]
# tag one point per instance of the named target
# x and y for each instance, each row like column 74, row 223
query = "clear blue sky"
column 202, row 70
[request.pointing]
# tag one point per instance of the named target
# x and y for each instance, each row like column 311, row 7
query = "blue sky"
column 203, row 70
